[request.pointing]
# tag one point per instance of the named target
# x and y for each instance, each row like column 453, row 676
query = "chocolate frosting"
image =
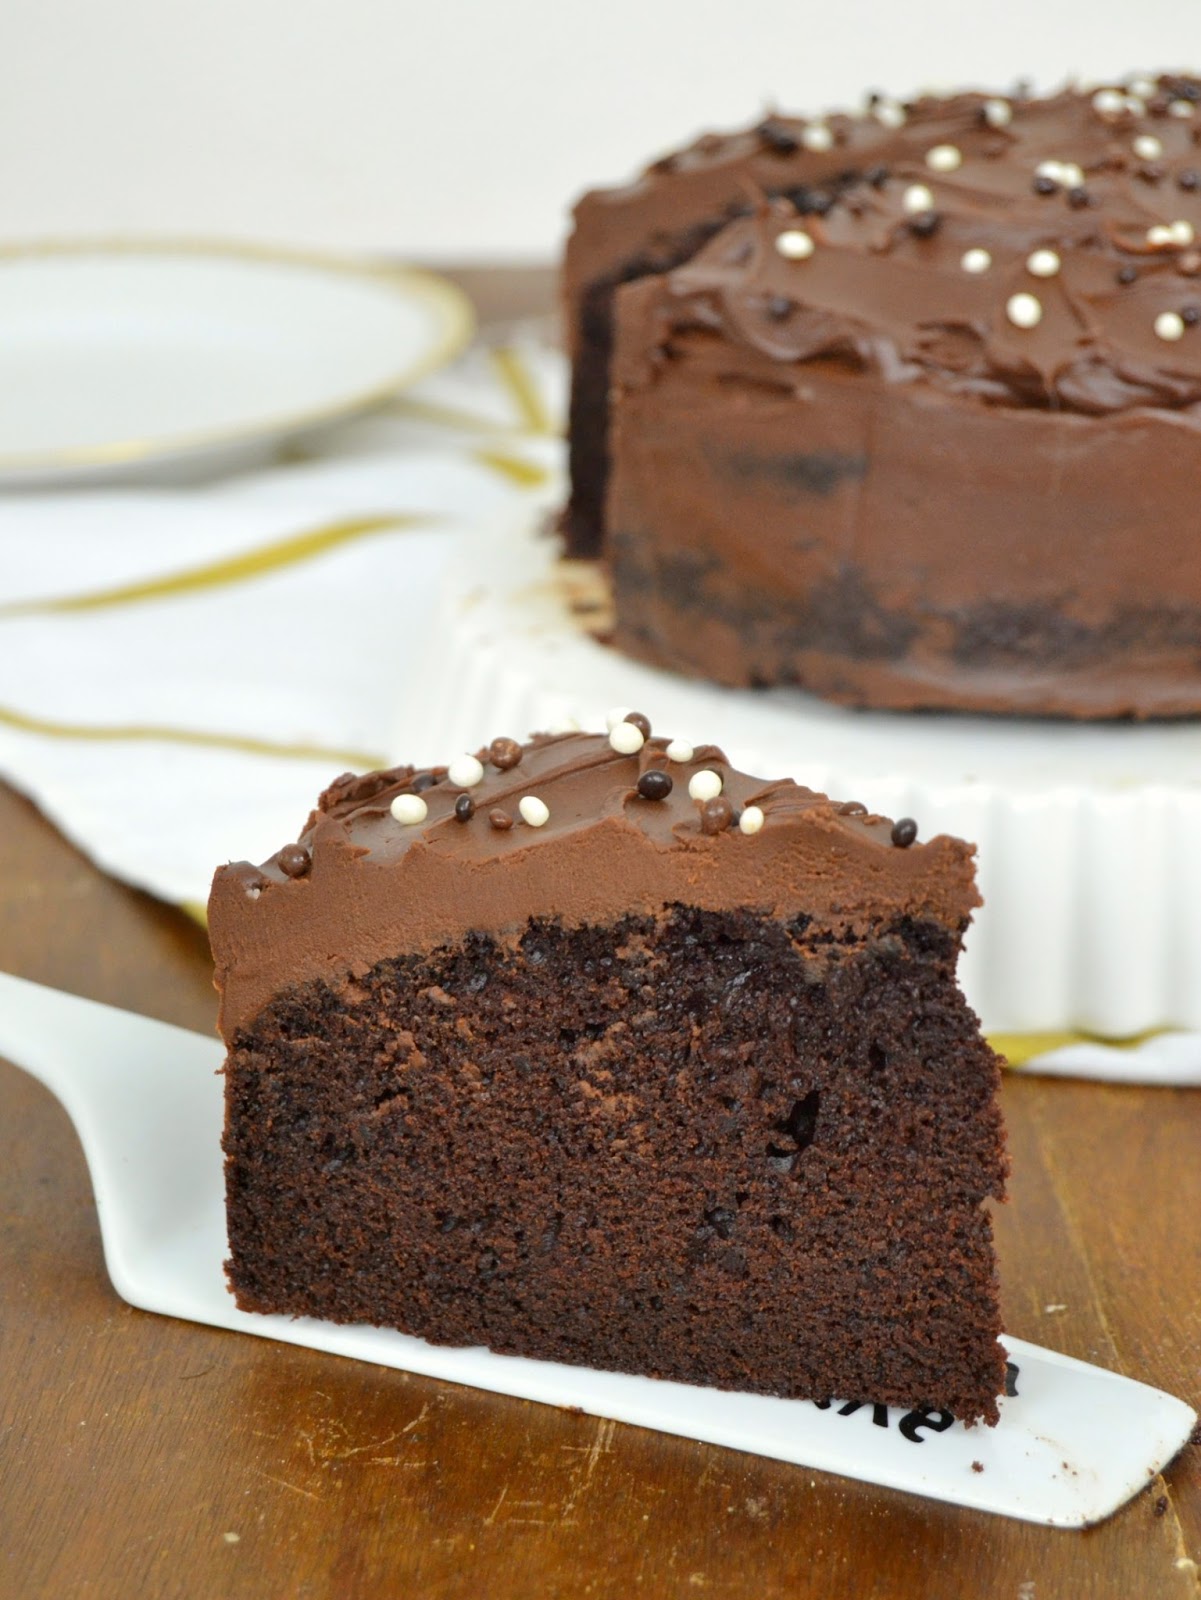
column 886, row 288
column 378, row 888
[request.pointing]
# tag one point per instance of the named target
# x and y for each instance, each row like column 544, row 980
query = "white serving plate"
column 1089, row 836
column 144, row 359
column 1073, row 1443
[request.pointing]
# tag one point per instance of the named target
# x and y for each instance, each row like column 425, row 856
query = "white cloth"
column 121, row 718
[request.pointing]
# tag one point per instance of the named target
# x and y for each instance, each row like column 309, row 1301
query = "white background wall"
column 459, row 129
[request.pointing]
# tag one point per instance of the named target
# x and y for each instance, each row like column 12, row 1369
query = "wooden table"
column 145, row 1457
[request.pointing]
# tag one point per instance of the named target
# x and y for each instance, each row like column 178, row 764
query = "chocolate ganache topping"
column 588, row 828
column 1049, row 261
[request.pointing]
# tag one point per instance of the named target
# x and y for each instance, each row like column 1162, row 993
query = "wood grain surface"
column 145, row 1457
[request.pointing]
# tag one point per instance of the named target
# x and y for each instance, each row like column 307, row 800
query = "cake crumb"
column 977, row 1466
column 1161, row 1505
column 231, row 1538
column 1052, row 1309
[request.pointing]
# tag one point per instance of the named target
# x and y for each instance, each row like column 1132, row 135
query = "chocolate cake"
column 596, row 1050
column 906, row 412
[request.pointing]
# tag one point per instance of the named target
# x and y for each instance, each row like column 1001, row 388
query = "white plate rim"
column 452, row 308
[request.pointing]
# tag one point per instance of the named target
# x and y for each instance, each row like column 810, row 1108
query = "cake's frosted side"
column 934, row 447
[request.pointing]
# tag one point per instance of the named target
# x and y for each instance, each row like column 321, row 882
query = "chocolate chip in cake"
column 464, row 808
column 716, row 815
column 721, row 1220
column 504, row 753
column 904, row 832
column 294, row 860
column 640, row 722
column 500, row 819
column 655, row 784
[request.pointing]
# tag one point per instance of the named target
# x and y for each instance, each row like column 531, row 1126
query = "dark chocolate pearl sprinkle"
column 925, row 225
column 464, row 808
column 852, row 808
column 1152, row 172
column 655, row 784
column 1126, row 274
column 904, row 832
column 716, row 815
column 643, row 724
column 776, row 138
column 1190, row 315
column 1188, row 178
column 820, row 202
column 500, row 819
column 877, row 176
column 1044, row 185
column 779, row 307
column 424, row 781
column 294, row 860
column 1079, row 197
column 504, row 753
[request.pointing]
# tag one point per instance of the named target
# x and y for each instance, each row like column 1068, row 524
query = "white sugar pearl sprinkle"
column 794, row 244
column 409, row 809
column 1109, row 102
column 997, row 113
column 1135, row 106
column 916, row 199
column 1071, row 176
column 1180, row 108
column 1182, row 232
column 705, row 785
column 564, row 725
column 817, row 137
column 1161, row 233
column 534, row 811
column 1143, row 87
column 976, row 260
column 1169, row 325
column 465, row 772
column 1147, row 147
column 679, row 750
column 616, row 715
column 944, row 158
column 1050, row 169
column 626, row 739
column 1042, row 263
column 751, row 819
column 1024, row 310
column 890, row 114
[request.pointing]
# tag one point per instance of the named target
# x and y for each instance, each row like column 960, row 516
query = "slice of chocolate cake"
column 596, row 1050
